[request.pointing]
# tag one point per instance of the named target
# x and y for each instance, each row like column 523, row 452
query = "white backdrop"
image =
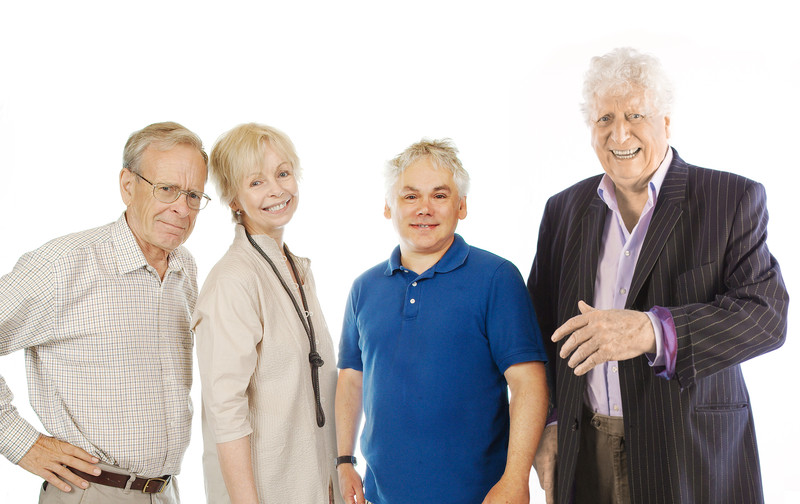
column 353, row 83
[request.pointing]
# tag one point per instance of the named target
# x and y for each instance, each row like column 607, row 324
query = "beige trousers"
column 101, row 494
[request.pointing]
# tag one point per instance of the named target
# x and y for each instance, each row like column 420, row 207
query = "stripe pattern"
column 705, row 258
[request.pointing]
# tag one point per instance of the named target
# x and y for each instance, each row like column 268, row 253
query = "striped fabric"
column 107, row 347
column 705, row 258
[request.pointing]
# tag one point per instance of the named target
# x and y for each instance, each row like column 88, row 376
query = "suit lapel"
column 592, row 226
column 666, row 214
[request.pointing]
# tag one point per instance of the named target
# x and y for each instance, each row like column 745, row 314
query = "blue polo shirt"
column 433, row 348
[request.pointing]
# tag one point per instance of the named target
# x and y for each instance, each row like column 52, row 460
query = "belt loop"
column 127, row 488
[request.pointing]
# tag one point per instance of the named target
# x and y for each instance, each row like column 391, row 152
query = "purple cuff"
column 669, row 342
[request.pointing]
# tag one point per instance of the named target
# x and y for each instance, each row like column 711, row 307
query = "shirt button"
column 414, row 284
column 614, row 369
column 623, row 290
column 627, row 253
column 616, row 408
column 405, row 271
column 413, row 301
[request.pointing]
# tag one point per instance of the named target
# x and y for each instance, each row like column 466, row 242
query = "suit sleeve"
column 542, row 286
column 719, row 326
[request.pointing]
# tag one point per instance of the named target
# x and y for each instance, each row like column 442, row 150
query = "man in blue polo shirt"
column 432, row 341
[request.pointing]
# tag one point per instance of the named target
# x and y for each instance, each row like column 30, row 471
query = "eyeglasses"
column 166, row 193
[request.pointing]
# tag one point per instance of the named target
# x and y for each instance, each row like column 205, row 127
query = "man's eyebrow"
column 435, row 189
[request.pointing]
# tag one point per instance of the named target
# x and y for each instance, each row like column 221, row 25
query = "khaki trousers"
column 102, row 494
column 601, row 474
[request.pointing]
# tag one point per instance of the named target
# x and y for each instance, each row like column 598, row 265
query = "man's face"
column 629, row 138
column 425, row 209
column 159, row 227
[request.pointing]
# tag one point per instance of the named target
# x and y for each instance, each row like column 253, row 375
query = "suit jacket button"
column 575, row 425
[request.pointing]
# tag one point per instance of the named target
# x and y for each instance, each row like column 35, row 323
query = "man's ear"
column 387, row 211
column 462, row 208
column 666, row 125
column 126, row 181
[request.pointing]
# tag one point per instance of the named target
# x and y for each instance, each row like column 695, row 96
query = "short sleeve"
column 511, row 326
column 349, row 344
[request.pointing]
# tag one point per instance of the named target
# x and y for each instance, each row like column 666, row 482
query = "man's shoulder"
column 485, row 260
column 73, row 243
column 577, row 193
column 371, row 275
column 709, row 177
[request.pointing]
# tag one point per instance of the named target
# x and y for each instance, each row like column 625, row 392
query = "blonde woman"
column 264, row 351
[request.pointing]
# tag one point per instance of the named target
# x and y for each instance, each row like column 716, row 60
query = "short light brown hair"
column 240, row 151
column 163, row 136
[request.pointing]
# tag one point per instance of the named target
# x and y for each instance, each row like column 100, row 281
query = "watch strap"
column 346, row 459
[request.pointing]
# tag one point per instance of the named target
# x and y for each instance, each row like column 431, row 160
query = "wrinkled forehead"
column 623, row 96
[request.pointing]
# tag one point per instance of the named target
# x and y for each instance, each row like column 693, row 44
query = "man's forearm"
column 528, row 410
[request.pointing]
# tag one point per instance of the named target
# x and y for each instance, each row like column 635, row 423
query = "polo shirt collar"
column 129, row 256
column 455, row 256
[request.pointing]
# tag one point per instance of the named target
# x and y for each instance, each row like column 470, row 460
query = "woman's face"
column 268, row 198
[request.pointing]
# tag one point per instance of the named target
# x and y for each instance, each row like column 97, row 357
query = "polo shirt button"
column 414, row 284
column 413, row 301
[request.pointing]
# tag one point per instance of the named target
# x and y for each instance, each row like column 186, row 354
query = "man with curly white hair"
column 652, row 283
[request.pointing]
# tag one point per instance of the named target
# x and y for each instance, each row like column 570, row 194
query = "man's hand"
column 545, row 462
column 350, row 484
column 508, row 492
column 599, row 336
column 49, row 456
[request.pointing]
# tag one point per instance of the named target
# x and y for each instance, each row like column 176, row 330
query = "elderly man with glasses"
column 103, row 316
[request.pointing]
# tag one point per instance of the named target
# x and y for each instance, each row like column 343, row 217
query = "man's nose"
column 181, row 205
column 424, row 207
column 621, row 132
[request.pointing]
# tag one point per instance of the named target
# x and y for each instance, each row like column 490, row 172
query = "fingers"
column 585, row 308
column 569, row 327
column 48, row 457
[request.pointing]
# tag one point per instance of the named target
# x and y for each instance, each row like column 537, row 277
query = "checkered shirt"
column 107, row 346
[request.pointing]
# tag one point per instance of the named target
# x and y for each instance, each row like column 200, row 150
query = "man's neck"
column 419, row 262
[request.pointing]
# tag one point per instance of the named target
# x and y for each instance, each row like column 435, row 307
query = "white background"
column 354, row 83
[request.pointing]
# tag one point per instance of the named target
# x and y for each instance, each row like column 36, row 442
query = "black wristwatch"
column 346, row 459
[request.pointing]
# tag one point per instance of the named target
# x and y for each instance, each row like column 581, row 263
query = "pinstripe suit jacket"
column 690, row 439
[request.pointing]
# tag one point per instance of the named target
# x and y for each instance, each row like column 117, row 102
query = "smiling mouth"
column 625, row 154
column 278, row 207
column 424, row 226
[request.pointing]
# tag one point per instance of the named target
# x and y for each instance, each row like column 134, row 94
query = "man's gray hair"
column 163, row 136
column 619, row 72
column 442, row 154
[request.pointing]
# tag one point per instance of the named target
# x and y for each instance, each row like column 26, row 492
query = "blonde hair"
column 163, row 136
column 241, row 150
column 442, row 153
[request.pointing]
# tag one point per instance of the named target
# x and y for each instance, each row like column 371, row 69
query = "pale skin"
column 158, row 229
column 257, row 196
column 622, row 125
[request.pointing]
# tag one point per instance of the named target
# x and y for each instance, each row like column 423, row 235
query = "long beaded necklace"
column 314, row 358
